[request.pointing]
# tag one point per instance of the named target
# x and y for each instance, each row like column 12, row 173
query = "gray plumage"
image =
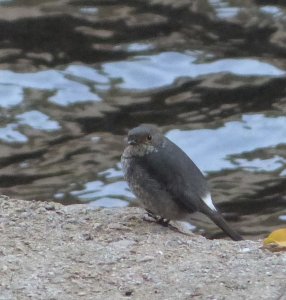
column 165, row 179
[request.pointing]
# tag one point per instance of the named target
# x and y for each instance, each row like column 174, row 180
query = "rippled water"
column 74, row 77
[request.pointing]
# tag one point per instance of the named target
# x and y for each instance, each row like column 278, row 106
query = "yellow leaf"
column 276, row 241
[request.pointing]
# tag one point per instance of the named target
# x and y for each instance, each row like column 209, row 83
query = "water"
column 74, row 77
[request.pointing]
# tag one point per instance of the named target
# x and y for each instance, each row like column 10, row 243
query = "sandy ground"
column 50, row 251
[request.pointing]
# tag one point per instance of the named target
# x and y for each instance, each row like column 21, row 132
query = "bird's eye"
column 149, row 137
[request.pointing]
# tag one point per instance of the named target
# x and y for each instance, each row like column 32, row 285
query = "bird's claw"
column 180, row 227
column 150, row 217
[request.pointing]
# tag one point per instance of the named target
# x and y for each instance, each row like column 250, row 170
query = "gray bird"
column 166, row 180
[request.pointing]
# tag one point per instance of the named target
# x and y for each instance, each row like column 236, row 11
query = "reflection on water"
column 111, row 191
column 9, row 134
column 79, row 83
column 220, row 149
column 10, row 95
column 147, row 72
column 272, row 10
column 65, row 91
column 37, row 120
column 5, row 1
column 74, row 77
column 33, row 119
column 89, row 10
column 224, row 9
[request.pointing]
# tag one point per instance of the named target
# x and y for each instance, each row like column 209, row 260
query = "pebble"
column 117, row 226
column 145, row 259
column 128, row 292
column 87, row 236
column 50, row 206
column 122, row 244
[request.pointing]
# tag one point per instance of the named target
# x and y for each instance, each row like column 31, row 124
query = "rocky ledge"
column 49, row 251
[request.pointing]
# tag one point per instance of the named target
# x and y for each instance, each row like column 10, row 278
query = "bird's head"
column 145, row 135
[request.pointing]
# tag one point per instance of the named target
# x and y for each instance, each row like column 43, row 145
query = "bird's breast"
column 133, row 151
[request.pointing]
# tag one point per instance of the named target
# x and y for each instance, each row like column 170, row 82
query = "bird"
column 165, row 179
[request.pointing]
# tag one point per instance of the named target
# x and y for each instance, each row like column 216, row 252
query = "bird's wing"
column 177, row 174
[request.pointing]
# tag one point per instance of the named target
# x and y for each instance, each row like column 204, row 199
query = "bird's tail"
column 217, row 218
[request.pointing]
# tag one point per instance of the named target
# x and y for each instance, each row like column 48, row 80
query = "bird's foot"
column 150, row 217
column 179, row 226
column 147, row 217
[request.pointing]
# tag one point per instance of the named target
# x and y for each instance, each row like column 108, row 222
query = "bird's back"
column 178, row 174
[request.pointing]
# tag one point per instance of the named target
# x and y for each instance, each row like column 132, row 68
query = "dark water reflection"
column 75, row 75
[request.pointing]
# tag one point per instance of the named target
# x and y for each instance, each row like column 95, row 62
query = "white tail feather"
column 209, row 202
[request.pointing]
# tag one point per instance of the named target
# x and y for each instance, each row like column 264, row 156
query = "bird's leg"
column 150, row 214
column 151, row 217
column 177, row 226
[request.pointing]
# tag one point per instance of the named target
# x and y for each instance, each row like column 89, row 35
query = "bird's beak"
column 132, row 142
